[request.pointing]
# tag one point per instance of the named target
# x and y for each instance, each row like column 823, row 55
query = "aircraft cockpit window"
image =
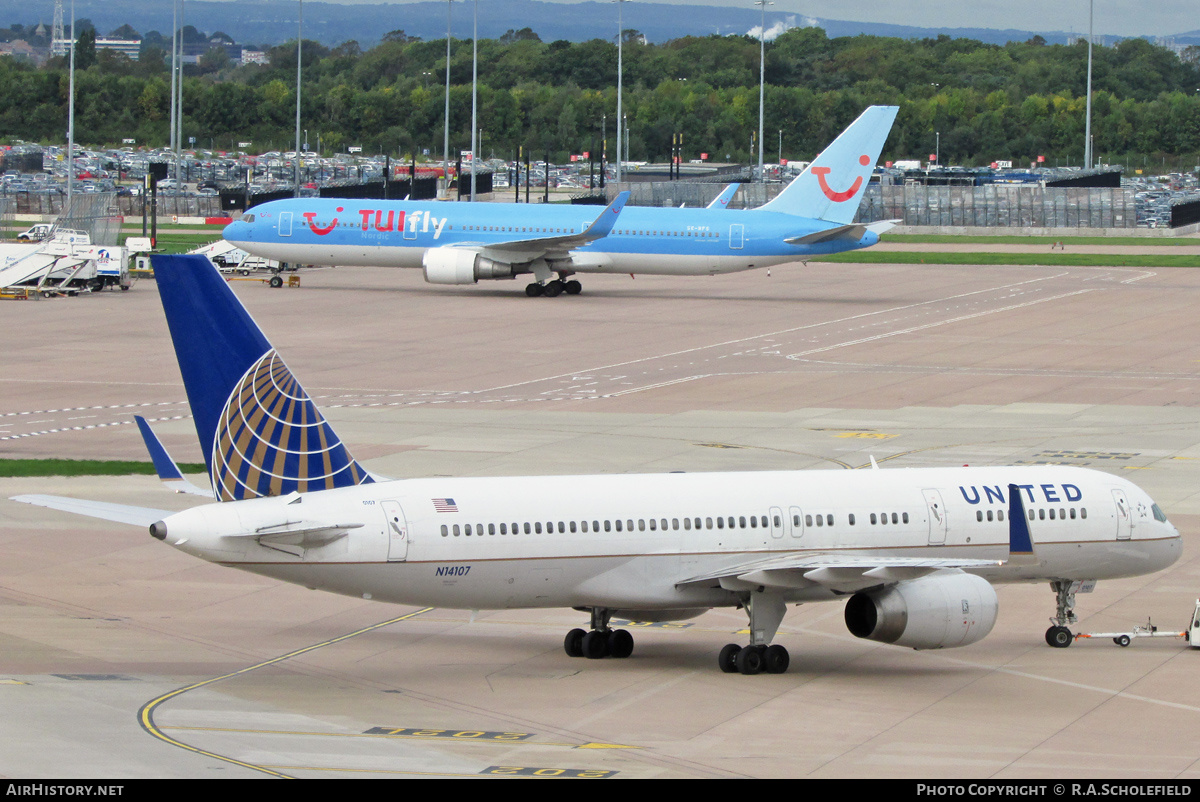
column 247, row 218
column 1159, row 515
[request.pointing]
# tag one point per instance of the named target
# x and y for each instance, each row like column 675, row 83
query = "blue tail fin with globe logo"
column 260, row 432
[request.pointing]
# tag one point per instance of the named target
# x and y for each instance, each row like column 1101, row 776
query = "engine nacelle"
column 942, row 610
column 461, row 266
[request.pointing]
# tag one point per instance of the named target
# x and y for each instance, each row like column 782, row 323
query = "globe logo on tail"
column 272, row 440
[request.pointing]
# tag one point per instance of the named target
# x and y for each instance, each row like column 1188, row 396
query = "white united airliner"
column 464, row 243
column 911, row 553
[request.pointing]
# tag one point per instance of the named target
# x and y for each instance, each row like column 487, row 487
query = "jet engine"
column 461, row 266
column 945, row 609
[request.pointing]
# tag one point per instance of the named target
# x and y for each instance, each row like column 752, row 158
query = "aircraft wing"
column 838, row 572
column 120, row 513
column 554, row 246
column 722, row 200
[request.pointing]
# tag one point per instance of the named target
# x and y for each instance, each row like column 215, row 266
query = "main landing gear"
column 1059, row 636
column 766, row 612
column 554, row 288
column 600, row 641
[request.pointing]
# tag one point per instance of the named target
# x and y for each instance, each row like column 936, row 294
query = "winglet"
column 723, row 200
column 607, row 219
column 164, row 466
column 1020, row 544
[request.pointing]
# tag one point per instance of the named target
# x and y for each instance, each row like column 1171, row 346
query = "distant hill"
column 274, row 21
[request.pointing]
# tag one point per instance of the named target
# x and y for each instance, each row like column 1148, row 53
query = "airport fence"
column 95, row 213
column 1012, row 205
column 51, row 204
column 1007, row 205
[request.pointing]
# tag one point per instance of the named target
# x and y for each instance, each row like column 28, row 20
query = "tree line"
column 981, row 102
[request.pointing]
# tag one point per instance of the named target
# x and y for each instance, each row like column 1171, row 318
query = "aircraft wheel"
column 573, row 643
column 620, row 643
column 534, row 290
column 776, row 659
column 749, row 660
column 276, row 282
column 553, row 288
column 595, row 645
column 1059, row 637
column 1122, row 640
column 727, row 659
column 573, row 287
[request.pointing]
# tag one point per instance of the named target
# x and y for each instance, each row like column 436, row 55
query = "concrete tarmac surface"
column 123, row 658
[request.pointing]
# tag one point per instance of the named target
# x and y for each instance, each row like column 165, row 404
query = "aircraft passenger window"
column 978, row 515
column 527, row 527
column 1031, row 515
column 820, row 520
column 873, row 521
column 777, row 521
column 852, row 519
column 629, row 525
column 467, row 530
column 641, row 525
column 607, row 526
column 808, row 520
column 1062, row 513
column 741, row 521
column 989, row 515
column 456, row 531
column 1042, row 514
column 491, row 529
column 653, row 526
column 904, row 517
column 753, row 522
column 1083, row 512
column 663, row 523
column 1072, row 513
column 1000, row 515
column 572, row 527
column 618, row 524
column 596, row 526
column 829, row 520
column 445, row 530
column 537, row 527
column 720, row 523
column 708, row 523
column 895, row 518
column 504, row 529
column 795, row 519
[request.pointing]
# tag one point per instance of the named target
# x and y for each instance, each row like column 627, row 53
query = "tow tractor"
column 1191, row 634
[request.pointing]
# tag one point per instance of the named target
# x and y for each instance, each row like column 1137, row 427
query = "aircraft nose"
column 237, row 231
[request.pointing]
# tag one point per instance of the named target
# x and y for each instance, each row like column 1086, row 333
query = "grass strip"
column 956, row 239
column 10, row 468
column 1047, row 259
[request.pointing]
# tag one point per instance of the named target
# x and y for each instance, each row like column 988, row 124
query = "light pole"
column 474, row 95
column 1087, row 132
column 762, row 57
column 620, row 72
column 446, row 130
column 299, row 61
column 71, row 120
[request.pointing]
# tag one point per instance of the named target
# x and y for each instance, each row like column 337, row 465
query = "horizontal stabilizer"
column 164, row 466
column 120, row 513
column 852, row 233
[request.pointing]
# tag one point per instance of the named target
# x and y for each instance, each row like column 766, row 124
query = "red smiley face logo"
column 840, row 197
column 321, row 231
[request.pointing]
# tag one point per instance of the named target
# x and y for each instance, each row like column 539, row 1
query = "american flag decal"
column 444, row 505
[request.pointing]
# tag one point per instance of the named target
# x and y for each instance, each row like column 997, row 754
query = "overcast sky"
column 1119, row 17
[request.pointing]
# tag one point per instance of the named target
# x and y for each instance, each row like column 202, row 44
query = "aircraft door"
column 796, row 522
column 939, row 521
column 737, row 236
column 397, row 530
column 285, row 224
column 776, row 524
column 1124, row 515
